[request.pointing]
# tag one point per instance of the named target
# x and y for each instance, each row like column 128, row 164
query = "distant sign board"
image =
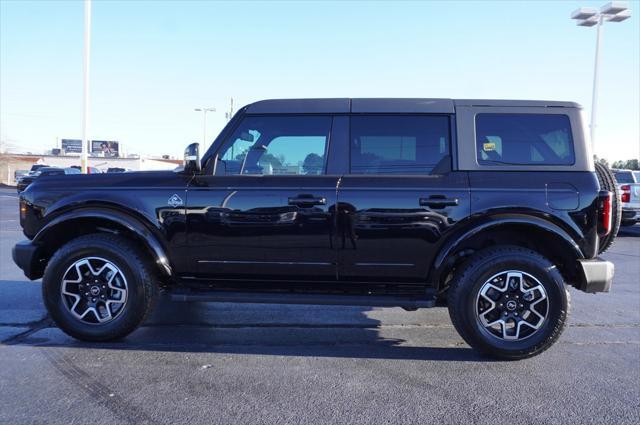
column 71, row 145
column 107, row 148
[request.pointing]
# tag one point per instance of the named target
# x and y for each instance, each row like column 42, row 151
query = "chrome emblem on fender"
column 175, row 201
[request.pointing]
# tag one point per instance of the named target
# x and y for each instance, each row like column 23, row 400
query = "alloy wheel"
column 94, row 290
column 512, row 305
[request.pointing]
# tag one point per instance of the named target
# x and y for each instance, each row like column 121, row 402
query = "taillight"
column 625, row 196
column 605, row 209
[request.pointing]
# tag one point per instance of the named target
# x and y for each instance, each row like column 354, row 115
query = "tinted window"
column 624, row 177
column 524, row 139
column 277, row 145
column 398, row 144
column 51, row 172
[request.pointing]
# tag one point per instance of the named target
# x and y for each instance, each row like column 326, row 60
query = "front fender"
column 134, row 225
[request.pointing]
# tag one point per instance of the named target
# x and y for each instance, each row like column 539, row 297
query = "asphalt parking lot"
column 231, row 363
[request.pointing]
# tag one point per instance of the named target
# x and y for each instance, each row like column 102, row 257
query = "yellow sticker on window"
column 487, row 147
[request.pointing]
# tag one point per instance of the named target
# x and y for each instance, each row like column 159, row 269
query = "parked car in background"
column 629, row 184
column 42, row 172
column 626, row 176
column 116, row 170
column 18, row 174
column 90, row 170
column 36, row 167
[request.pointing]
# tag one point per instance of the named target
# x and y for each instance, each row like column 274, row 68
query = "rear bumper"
column 26, row 256
column 596, row 275
column 631, row 214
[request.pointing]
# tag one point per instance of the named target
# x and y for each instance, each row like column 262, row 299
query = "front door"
column 268, row 212
column 399, row 199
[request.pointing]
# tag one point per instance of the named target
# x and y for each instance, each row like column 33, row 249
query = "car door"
column 268, row 212
column 400, row 197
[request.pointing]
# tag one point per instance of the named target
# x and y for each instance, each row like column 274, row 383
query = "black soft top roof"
column 386, row 105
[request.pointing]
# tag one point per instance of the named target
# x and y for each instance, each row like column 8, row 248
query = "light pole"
column 85, row 85
column 204, row 123
column 615, row 11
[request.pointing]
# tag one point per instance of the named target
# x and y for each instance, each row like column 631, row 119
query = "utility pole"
column 615, row 11
column 204, row 123
column 229, row 115
column 594, row 93
column 85, row 86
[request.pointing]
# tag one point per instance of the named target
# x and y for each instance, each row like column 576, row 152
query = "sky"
column 152, row 63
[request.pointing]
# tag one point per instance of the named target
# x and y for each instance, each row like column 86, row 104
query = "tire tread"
column 460, row 286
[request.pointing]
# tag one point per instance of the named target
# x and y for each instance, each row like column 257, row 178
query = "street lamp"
column 85, row 86
column 615, row 11
column 204, row 123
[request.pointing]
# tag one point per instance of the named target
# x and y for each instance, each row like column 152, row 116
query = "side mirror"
column 192, row 159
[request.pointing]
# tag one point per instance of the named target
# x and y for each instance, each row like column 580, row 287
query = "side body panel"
column 253, row 227
column 565, row 199
column 387, row 229
column 143, row 196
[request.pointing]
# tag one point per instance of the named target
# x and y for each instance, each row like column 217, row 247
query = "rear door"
column 399, row 198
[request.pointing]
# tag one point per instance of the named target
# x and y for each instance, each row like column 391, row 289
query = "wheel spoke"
column 94, row 290
column 512, row 305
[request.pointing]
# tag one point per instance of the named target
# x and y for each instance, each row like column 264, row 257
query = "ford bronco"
column 491, row 207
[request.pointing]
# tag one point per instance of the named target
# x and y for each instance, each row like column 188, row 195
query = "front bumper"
column 596, row 275
column 26, row 255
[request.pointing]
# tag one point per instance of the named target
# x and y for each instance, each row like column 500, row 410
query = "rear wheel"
column 508, row 302
column 98, row 287
column 608, row 182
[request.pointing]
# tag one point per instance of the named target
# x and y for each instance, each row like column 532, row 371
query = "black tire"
column 140, row 287
column 608, row 182
column 464, row 299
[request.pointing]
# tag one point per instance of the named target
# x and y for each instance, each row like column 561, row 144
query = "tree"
column 630, row 164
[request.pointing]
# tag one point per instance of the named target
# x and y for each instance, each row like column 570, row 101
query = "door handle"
column 438, row 202
column 304, row 200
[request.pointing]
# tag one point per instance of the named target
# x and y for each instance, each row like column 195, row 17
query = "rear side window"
column 524, row 139
column 398, row 144
column 624, row 177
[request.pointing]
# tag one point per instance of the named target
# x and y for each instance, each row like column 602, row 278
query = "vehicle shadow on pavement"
column 629, row 231
column 278, row 330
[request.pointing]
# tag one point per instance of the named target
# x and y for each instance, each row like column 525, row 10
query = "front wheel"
column 508, row 302
column 98, row 287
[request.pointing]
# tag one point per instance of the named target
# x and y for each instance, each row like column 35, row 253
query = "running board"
column 302, row 298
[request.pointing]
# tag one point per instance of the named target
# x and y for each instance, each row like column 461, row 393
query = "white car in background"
column 629, row 184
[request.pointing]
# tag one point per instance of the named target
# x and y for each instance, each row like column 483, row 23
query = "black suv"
column 492, row 207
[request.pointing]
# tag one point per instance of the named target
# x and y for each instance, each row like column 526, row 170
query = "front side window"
column 277, row 145
column 524, row 139
column 398, row 144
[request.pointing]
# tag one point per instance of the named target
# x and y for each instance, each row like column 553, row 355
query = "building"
column 9, row 163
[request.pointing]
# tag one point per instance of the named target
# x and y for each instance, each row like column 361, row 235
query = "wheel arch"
column 534, row 233
column 95, row 219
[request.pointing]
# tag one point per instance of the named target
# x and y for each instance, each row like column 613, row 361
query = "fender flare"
column 455, row 241
column 132, row 224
